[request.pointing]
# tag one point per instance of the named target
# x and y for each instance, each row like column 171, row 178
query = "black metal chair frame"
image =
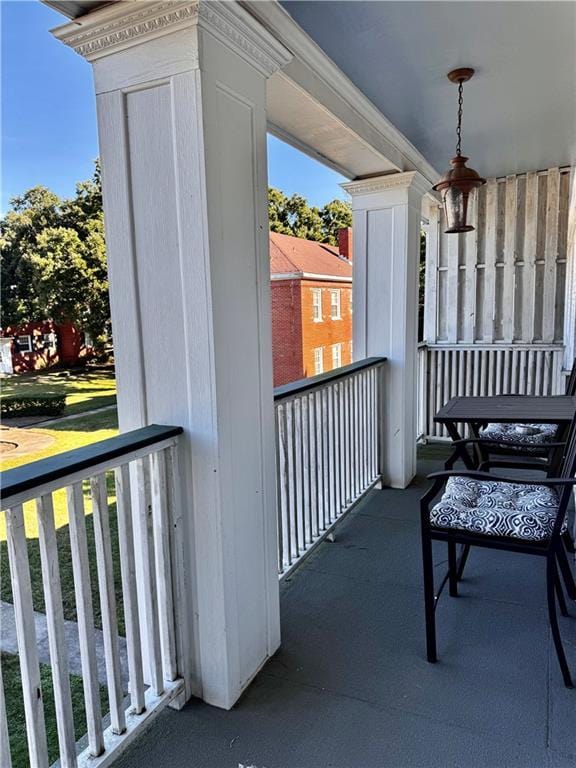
column 552, row 549
column 547, row 455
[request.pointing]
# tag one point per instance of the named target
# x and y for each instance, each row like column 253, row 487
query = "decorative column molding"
column 181, row 101
column 121, row 26
column 386, row 223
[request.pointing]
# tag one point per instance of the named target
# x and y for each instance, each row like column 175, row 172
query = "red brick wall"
column 69, row 347
column 326, row 332
column 286, row 332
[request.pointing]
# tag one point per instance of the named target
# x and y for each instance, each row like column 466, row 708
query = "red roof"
column 294, row 254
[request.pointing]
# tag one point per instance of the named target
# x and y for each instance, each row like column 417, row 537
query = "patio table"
column 521, row 409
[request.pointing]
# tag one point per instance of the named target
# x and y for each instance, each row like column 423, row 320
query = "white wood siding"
column 504, row 283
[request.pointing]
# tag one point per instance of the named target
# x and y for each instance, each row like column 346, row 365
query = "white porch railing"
column 445, row 371
column 327, row 453
column 140, row 467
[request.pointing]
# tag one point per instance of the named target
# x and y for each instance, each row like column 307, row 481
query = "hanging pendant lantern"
column 457, row 183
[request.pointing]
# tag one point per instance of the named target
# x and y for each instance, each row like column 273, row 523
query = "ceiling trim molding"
column 407, row 180
column 279, row 22
column 124, row 24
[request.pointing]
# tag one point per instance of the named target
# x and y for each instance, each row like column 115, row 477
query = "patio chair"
column 529, row 440
column 512, row 514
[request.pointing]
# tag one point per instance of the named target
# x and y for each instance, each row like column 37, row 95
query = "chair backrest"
column 571, row 381
column 568, row 464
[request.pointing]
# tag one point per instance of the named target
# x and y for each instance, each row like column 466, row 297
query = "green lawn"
column 84, row 390
column 15, row 709
column 68, row 434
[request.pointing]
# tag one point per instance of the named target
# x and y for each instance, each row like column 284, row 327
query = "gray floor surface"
column 350, row 687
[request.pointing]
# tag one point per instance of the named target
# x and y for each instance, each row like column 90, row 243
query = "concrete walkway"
column 8, row 643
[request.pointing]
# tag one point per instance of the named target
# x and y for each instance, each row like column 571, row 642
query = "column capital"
column 120, row 26
column 406, row 181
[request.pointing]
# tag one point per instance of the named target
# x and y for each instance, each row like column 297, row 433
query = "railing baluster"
column 5, row 759
column 129, row 591
column 26, row 637
column 319, row 462
column 306, row 470
column 56, row 632
column 107, row 600
column 287, row 442
column 163, row 568
column 85, row 615
column 280, row 490
column 149, row 590
column 331, row 452
column 313, row 465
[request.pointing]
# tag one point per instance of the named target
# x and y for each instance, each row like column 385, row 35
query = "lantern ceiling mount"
column 461, row 75
column 457, row 183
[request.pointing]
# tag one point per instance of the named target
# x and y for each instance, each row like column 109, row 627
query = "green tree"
column 294, row 216
column 335, row 215
column 54, row 259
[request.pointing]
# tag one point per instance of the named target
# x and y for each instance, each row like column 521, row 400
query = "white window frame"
column 317, row 305
column 336, row 356
column 318, row 360
column 49, row 340
column 335, row 304
column 28, row 342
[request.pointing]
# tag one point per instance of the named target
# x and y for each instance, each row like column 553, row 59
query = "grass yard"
column 15, row 709
column 67, row 435
column 84, row 390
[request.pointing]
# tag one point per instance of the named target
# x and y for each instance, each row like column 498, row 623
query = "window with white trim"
column 335, row 304
column 49, row 341
column 317, row 305
column 24, row 343
column 336, row 355
column 318, row 360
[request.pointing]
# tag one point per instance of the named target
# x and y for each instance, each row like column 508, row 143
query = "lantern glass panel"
column 456, row 209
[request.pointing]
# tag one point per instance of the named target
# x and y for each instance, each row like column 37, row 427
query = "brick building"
column 311, row 305
column 42, row 344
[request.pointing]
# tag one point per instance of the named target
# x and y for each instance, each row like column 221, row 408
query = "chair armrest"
column 492, row 478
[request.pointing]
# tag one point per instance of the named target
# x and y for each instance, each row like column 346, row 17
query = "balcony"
column 208, row 518
column 350, row 685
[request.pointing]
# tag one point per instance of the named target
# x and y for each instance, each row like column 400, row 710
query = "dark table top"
column 508, row 408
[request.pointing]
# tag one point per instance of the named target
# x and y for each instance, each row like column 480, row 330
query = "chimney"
column 345, row 242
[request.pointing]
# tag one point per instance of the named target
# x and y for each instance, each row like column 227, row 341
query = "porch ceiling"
column 520, row 109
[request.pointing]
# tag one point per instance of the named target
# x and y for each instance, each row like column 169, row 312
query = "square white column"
column 182, row 123
column 386, row 224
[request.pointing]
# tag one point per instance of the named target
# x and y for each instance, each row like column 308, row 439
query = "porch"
column 209, row 512
column 350, row 685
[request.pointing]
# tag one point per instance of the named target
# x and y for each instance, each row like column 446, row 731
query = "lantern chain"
column 459, row 128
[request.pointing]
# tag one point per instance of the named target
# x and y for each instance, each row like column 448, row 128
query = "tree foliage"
column 54, row 259
column 294, row 216
column 53, row 253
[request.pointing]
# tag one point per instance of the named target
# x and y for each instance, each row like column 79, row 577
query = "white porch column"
column 386, row 225
column 182, row 122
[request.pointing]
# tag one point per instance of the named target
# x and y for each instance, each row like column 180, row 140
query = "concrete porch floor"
column 350, row 687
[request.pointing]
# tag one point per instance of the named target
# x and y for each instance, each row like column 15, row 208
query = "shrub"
column 42, row 405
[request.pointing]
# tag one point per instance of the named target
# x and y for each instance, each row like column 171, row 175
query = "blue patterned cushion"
column 495, row 508
column 506, row 433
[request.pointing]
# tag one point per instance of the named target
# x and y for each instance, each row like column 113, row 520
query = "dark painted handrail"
column 305, row 385
column 38, row 473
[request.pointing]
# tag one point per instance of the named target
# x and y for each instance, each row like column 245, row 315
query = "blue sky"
column 49, row 116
